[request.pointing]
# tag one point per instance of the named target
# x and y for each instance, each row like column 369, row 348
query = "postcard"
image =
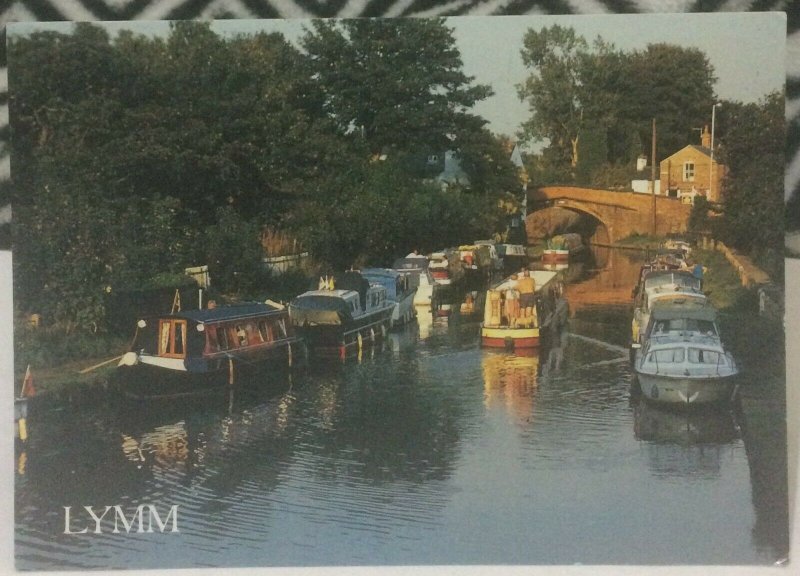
column 479, row 293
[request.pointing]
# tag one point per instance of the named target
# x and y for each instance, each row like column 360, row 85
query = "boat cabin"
column 202, row 340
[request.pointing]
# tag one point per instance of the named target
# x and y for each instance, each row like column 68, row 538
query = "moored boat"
column 208, row 342
column 512, row 325
column 439, row 266
column 559, row 248
column 683, row 361
column 343, row 319
column 399, row 290
column 419, row 277
column 661, row 287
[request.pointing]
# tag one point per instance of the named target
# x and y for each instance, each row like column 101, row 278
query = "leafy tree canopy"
column 398, row 84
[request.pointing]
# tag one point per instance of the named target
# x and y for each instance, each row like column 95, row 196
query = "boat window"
column 212, row 345
column 233, row 338
column 670, row 355
column 180, row 339
column 241, row 335
column 282, row 328
column 263, row 331
column 222, row 338
column 692, row 325
column 702, row 356
column 172, row 338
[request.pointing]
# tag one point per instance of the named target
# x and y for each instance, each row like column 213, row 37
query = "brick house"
column 690, row 172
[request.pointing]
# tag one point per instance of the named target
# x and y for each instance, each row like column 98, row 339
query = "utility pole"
column 653, row 175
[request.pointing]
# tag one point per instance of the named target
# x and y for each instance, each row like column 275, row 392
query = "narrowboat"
column 419, row 277
column 399, row 290
column 521, row 325
column 683, row 361
column 336, row 321
column 209, row 342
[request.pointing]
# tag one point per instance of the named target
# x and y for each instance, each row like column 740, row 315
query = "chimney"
column 705, row 137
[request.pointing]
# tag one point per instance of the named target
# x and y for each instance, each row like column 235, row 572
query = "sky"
column 747, row 50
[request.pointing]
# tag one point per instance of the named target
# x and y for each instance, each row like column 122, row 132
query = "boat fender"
column 129, row 359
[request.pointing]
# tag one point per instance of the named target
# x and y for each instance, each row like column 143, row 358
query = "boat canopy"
column 701, row 311
column 322, row 307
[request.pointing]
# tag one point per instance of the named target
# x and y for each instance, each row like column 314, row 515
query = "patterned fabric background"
column 90, row 10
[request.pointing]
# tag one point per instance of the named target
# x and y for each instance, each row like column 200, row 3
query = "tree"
column 754, row 150
column 575, row 90
column 674, row 85
column 398, row 84
column 554, row 90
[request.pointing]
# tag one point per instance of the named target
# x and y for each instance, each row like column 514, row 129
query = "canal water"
column 427, row 450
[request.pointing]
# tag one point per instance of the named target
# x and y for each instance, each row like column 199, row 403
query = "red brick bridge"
column 618, row 214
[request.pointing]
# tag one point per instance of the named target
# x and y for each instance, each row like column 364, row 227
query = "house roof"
column 702, row 149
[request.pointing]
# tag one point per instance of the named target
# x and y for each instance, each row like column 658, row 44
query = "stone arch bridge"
column 617, row 214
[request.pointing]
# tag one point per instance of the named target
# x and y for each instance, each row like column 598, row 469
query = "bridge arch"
column 619, row 214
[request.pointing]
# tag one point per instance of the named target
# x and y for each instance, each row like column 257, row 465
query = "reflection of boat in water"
column 708, row 426
column 511, row 380
column 505, row 328
column 684, row 444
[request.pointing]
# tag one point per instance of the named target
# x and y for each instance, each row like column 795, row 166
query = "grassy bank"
column 756, row 341
column 57, row 359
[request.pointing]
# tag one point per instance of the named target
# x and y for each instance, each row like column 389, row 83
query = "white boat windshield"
column 668, row 355
column 683, row 281
column 705, row 327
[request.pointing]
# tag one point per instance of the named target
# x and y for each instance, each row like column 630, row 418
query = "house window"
column 688, row 172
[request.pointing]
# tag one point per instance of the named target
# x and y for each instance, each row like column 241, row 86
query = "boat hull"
column 340, row 339
column 509, row 338
column 683, row 390
column 404, row 311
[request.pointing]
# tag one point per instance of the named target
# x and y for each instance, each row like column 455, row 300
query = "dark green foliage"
column 397, row 84
column 139, row 156
column 699, row 220
column 577, row 90
column 381, row 214
column 233, row 252
column 754, row 151
column 592, row 153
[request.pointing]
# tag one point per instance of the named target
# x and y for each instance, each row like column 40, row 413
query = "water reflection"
column 510, row 380
column 417, row 453
column 681, row 443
